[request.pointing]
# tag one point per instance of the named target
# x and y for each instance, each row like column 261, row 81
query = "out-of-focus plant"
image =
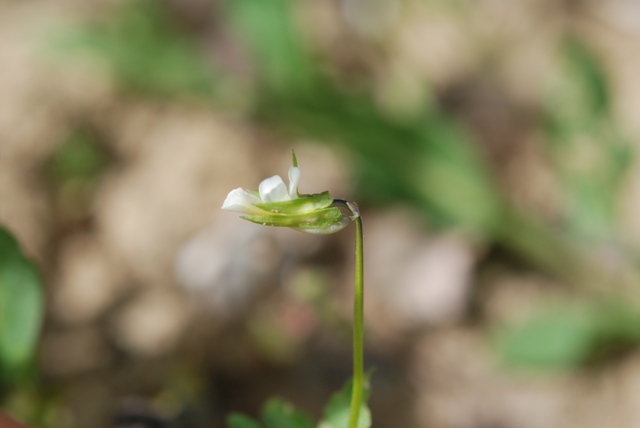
column 590, row 154
column 146, row 51
column 283, row 63
column 273, row 204
column 571, row 335
column 591, row 158
column 21, row 312
column 278, row 413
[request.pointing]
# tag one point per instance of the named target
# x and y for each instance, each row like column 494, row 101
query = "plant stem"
column 357, row 384
column 358, row 322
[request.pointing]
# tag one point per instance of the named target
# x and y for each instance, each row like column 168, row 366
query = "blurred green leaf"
column 237, row 420
column 21, row 307
column 453, row 179
column 557, row 339
column 146, row 50
column 590, row 156
column 336, row 414
column 586, row 72
column 278, row 413
column 570, row 336
column 269, row 30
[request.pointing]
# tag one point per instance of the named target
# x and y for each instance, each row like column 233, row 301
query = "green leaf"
column 560, row 338
column 270, row 33
column 21, row 307
column 146, row 50
column 278, row 413
column 552, row 340
column 237, row 420
column 336, row 414
column 586, row 70
column 579, row 125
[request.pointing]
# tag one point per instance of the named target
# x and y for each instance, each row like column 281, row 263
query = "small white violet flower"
column 276, row 205
column 271, row 189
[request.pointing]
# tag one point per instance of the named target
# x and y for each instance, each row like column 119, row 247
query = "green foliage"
column 278, row 413
column 560, row 338
column 336, row 414
column 590, row 156
column 236, row 420
column 146, row 50
column 270, row 33
column 21, row 308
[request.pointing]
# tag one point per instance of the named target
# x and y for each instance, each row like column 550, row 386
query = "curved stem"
column 358, row 318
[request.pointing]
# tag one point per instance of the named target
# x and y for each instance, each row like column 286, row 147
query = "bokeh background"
column 490, row 144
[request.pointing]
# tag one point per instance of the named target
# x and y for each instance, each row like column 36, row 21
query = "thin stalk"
column 358, row 318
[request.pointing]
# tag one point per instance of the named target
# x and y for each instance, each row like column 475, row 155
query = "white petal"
column 294, row 179
column 241, row 201
column 273, row 189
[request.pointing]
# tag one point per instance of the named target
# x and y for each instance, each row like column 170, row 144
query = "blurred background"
column 490, row 145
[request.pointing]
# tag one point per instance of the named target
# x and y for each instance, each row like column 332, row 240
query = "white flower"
column 271, row 189
column 276, row 205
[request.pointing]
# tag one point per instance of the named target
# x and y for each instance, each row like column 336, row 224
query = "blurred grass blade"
column 21, row 307
column 590, row 156
column 268, row 29
column 586, row 70
column 145, row 50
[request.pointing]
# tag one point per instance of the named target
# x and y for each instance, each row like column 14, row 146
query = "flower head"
column 276, row 205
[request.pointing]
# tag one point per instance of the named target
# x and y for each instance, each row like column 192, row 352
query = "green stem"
column 358, row 322
column 357, row 385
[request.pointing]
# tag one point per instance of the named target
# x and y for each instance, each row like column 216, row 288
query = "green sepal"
column 301, row 205
column 317, row 219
